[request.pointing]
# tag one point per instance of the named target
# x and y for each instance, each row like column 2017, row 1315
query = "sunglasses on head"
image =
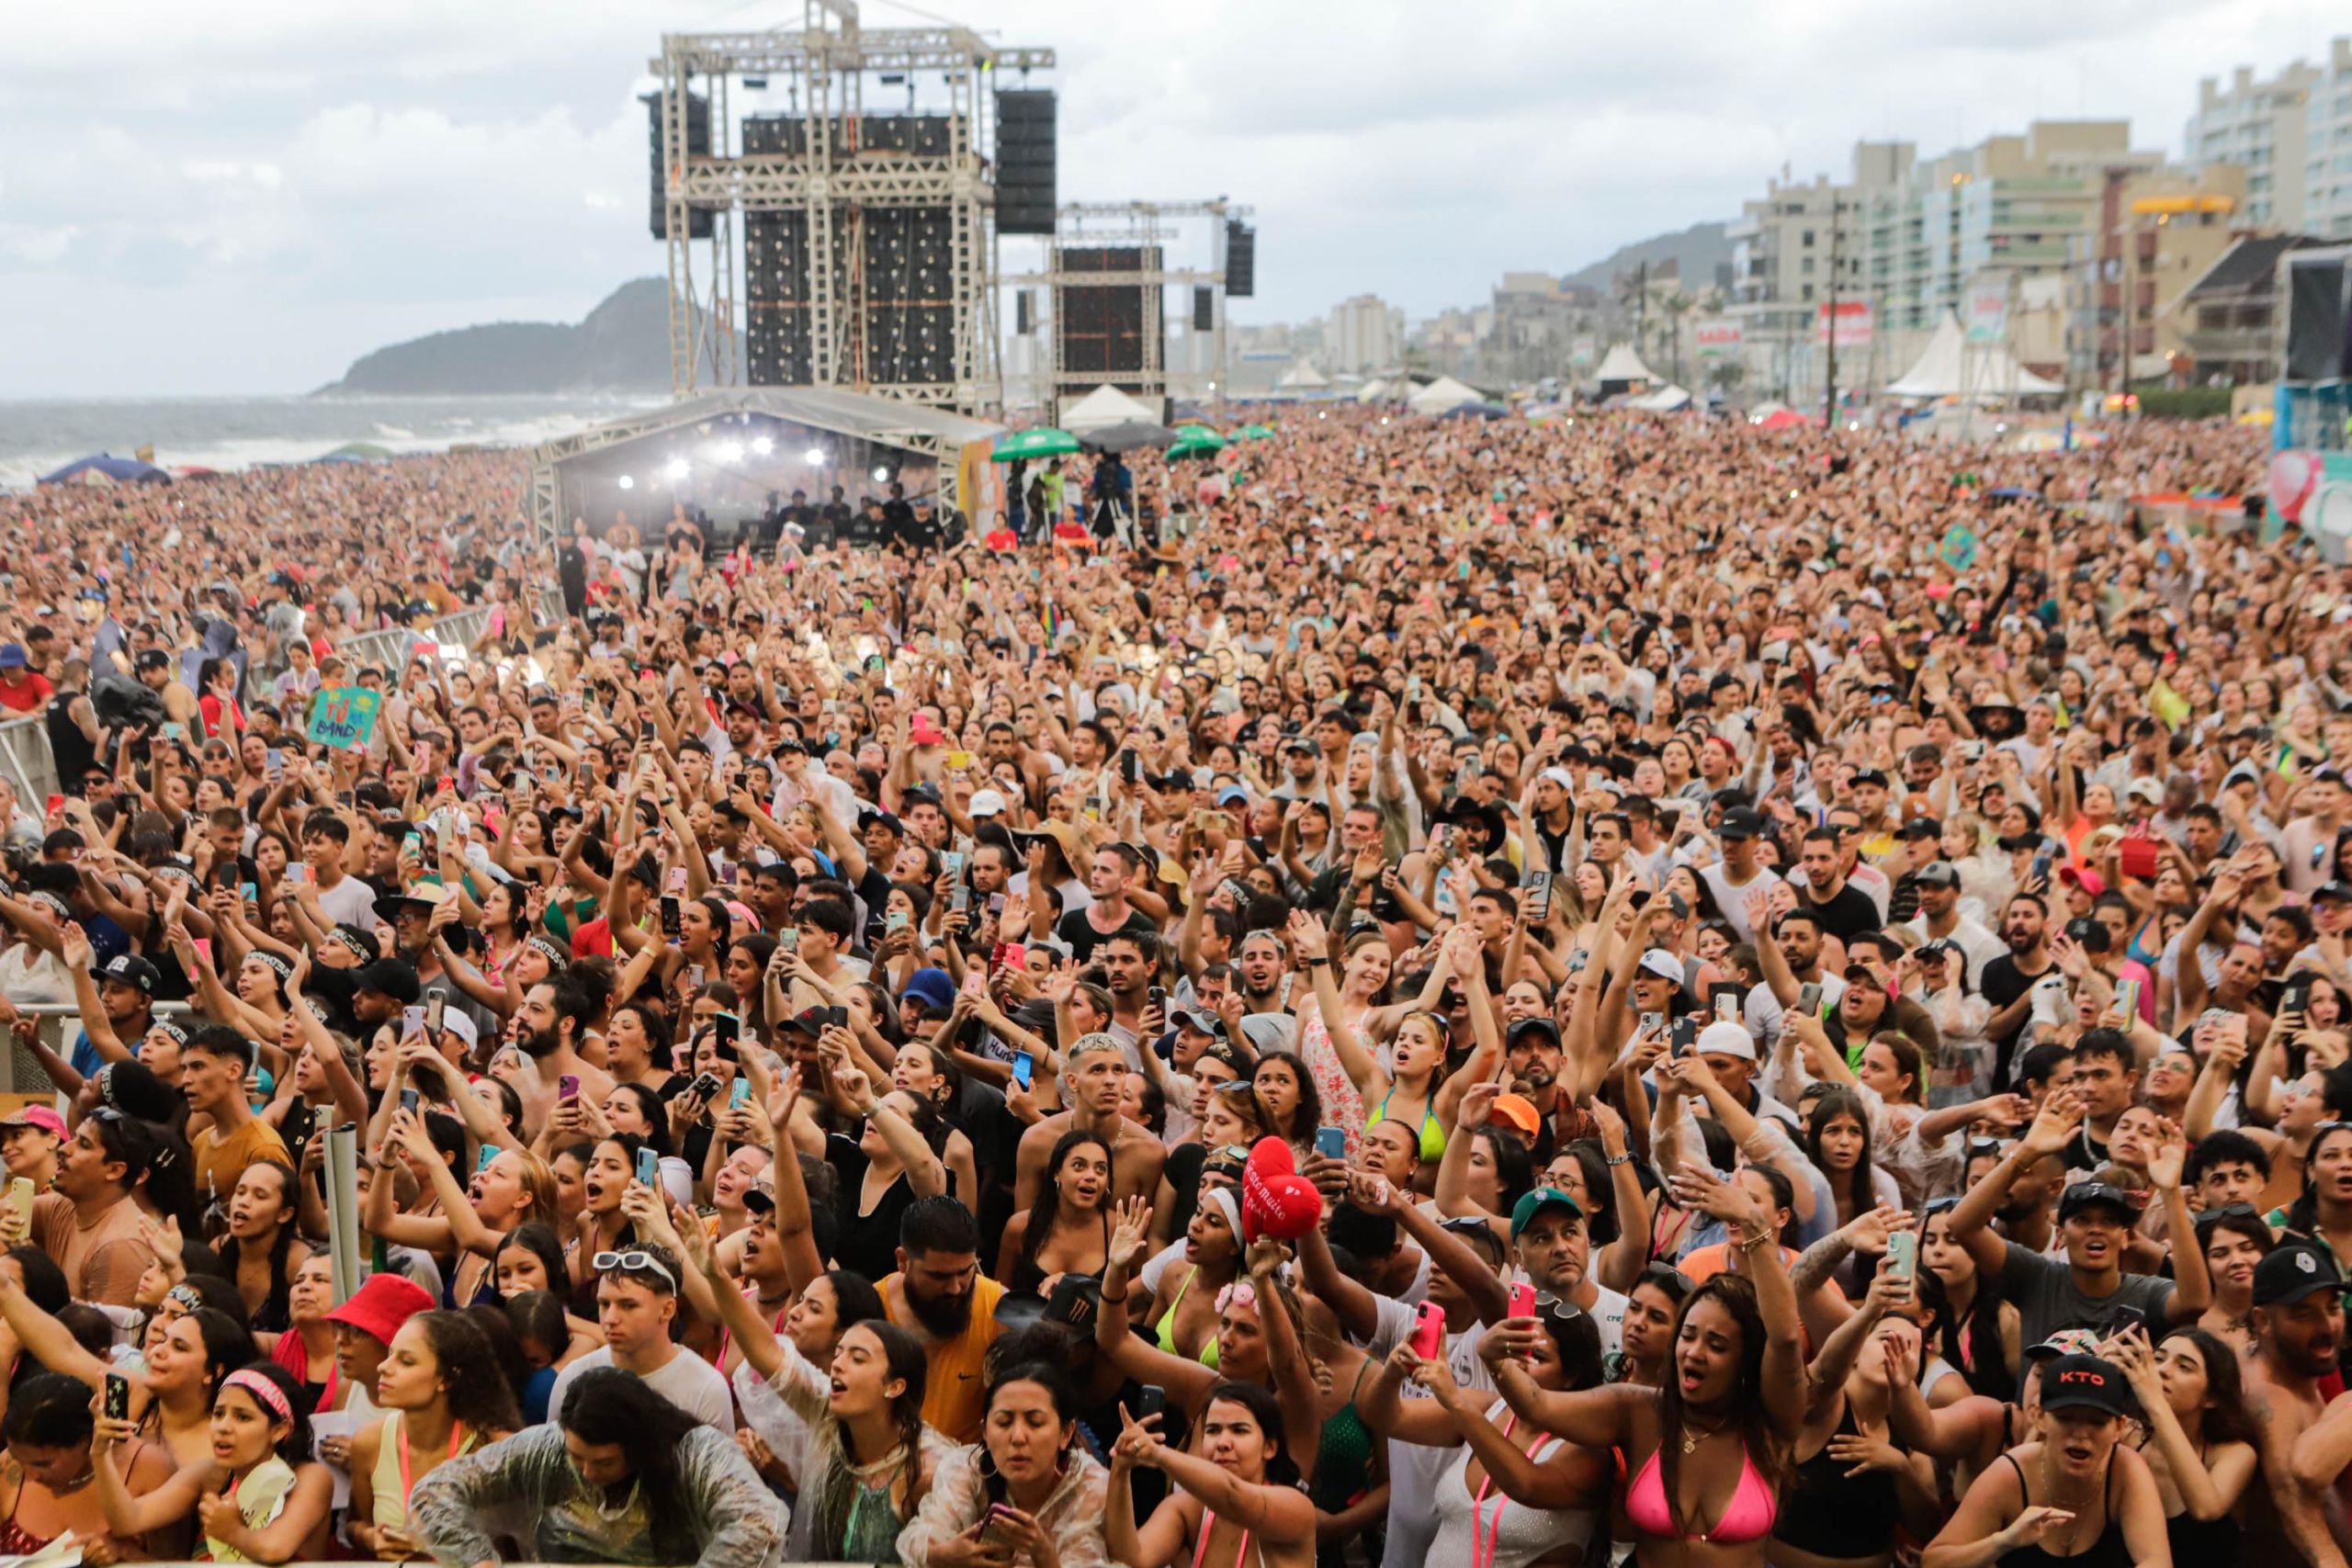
column 634, row 1262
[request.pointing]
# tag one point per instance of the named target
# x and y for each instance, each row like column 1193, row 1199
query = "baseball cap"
column 1517, row 1112
column 2064, row 1342
column 933, row 987
column 1657, row 961
column 1920, row 828
column 1528, row 1027
column 393, row 977
column 2085, row 1382
column 133, row 1088
column 12, row 656
column 1740, row 822
column 1531, row 1203
column 2341, row 891
column 1937, row 873
column 2293, row 1270
column 2083, row 1194
column 986, row 803
column 44, row 1117
column 130, row 969
column 1725, row 1040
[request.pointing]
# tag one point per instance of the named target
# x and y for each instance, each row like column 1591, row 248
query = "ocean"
column 40, row 435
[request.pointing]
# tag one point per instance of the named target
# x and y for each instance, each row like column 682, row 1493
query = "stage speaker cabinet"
column 1026, row 190
column 1021, row 308
column 1204, row 311
column 1102, row 328
column 2319, row 317
column 698, row 219
column 777, row 344
column 1240, row 259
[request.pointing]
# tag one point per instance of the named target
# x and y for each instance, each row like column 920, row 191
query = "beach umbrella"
column 1255, row 433
column 1196, row 441
column 1042, row 441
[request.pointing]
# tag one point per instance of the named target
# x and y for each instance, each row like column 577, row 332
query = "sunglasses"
column 634, row 1262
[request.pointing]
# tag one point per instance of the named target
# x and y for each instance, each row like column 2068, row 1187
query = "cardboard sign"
column 1957, row 550
column 345, row 717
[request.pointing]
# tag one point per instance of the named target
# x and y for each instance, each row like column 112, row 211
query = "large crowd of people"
column 1446, row 991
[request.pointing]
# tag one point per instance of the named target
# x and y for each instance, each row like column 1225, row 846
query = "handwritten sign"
column 1957, row 550
column 343, row 717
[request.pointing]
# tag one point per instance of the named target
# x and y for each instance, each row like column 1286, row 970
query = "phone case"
column 1428, row 1331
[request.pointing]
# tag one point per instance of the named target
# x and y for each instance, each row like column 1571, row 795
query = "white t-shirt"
column 1414, row 1472
column 688, row 1382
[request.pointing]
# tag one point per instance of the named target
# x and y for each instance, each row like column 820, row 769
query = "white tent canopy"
column 1373, row 392
column 1302, row 375
column 1621, row 364
column 1951, row 369
column 1106, row 406
column 1665, row 399
column 1443, row 396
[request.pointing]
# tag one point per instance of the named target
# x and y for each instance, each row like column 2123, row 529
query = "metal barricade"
column 60, row 1021
column 24, row 753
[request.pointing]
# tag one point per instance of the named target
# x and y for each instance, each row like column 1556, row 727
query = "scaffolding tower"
column 825, row 68
column 1146, row 227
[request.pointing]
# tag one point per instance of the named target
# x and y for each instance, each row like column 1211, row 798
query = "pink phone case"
column 1428, row 1331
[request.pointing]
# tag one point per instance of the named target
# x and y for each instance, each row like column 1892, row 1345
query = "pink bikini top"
column 1747, row 1517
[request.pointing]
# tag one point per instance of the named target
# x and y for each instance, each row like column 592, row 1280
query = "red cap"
column 381, row 1304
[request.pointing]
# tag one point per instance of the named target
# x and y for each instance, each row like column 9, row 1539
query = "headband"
column 271, row 1397
column 353, row 944
column 276, row 965
column 1240, row 1293
column 1222, row 1197
column 549, row 948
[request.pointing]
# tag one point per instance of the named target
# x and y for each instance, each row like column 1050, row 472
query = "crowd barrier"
column 59, row 1022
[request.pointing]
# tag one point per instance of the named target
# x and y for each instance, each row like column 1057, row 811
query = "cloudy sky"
column 245, row 195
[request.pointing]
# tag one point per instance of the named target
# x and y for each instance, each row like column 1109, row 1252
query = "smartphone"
column 741, row 1095
column 1809, row 999
column 2042, row 867
column 248, row 891
column 1539, row 897
column 2297, row 997
column 1725, row 999
column 203, row 945
column 489, row 1152
column 960, row 898
column 409, row 1100
column 1150, row 1399
column 20, row 1197
column 1651, row 1022
column 117, row 1404
column 1130, row 767
column 672, row 927
column 1684, row 1035
column 1331, row 1142
column 1523, row 1300
column 1428, row 1331
column 727, row 1029
column 727, row 875
column 1157, row 997
column 1903, row 1256
column 649, row 1168
column 297, row 872
column 960, row 759
column 676, row 881
column 951, row 863
column 2127, row 993
column 897, row 920
column 421, row 759
column 568, row 1086
column 705, row 1085
column 435, row 1005
column 174, row 730
column 1025, row 1069
column 788, row 940
column 645, row 729
column 275, row 760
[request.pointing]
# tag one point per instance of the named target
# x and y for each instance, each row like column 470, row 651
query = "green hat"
column 1523, row 1212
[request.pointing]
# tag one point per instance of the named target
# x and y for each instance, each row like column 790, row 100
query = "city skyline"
column 261, row 193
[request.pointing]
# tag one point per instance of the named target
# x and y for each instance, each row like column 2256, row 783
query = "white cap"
column 1657, row 961
column 1725, row 1040
column 987, row 803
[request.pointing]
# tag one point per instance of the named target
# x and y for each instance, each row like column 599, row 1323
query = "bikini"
column 1432, row 1134
column 1748, row 1517
column 1207, row 1357
column 1201, row 1546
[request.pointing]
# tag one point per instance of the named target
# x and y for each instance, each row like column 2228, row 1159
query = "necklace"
column 1690, row 1444
column 70, row 1487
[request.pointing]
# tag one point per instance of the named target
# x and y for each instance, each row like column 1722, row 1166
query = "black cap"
column 1870, row 776
column 1937, row 873
column 1527, row 1026
column 130, row 969
column 153, row 659
column 1740, row 822
column 2339, row 891
column 2085, row 1382
column 1920, row 828
column 393, row 977
column 2293, row 1270
column 133, row 1088
column 2083, row 1194
column 867, row 818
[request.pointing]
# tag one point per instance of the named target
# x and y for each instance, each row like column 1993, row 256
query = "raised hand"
column 1130, row 1233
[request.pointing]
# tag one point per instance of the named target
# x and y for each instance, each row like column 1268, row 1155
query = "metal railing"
column 25, row 756
column 21, row 1070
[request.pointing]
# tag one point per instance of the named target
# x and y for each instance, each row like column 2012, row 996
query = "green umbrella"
column 1044, row 441
column 1196, row 441
column 1255, row 433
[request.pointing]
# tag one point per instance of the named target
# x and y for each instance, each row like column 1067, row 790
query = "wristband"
column 1625, row 1158
column 1319, row 963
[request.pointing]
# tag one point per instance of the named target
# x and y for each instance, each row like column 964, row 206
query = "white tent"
column 1950, row 368
column 1104, row 406
column 1621, row 364
column 1665, row 399
column 1303, row 376
column 1443, row 396
column 1373, row 392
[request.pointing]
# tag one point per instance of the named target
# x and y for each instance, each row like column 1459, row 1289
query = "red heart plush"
column 1276, row 1200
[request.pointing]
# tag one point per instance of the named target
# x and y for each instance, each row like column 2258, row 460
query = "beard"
column 942, row 1317
column 539, row 1043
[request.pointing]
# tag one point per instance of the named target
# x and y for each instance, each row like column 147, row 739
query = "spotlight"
column 881, row 476
column 763, row 445
column 814, row 457
column 627, row 483
column 730, row 451
column 675, row 470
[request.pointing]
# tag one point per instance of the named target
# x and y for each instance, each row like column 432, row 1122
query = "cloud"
column 260, row 190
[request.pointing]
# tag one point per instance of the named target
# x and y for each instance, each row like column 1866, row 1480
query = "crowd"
column 1450, row 992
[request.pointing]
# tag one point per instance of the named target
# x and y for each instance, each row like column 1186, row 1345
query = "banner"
column 1719, row 337
column 1985, row 312
column 345, row 717
column 1853, row 324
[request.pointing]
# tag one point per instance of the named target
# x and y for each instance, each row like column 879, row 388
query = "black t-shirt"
column 865, row 1242
column 1078, row 930
column 1849, row 914
column 2003, row 982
